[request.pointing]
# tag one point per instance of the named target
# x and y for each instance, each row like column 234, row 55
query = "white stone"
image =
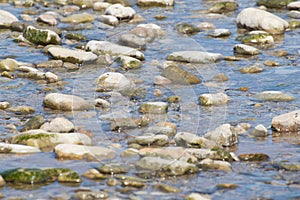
column 259, row 131
column 214, row 99
column 224, row 135
column 120, row 11
column 6, row 18
column 194, row 56
column 18, row 148
column 109, row 19
column 245, row 49
column 289, row 122
column 58, row 125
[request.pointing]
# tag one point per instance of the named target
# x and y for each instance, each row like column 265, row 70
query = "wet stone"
column 4, row 105
column 132, row 40
column 50, row 64
column 114, row 168
column 273, row 96
column 41, row 36
column 47, row 19
column 109, row 19
column 254, row 157
column 94, row 174
column 224, row 135
column 127, row 123
column 154, row 107
column 210, row 164
column 84, row 195
column 58, row 125
column 17, row 149
column 129, row 62
column 8, row 64
column 33, row 123
column 198, row 196
column 256, row 68
column 194, row 57
column 274, row 3
column 214, row 99
column 120, row 11
column 166, row 188
column 245, row 49
column 155, row 2
column 132, row 183
column 224, row 7
column 289, row 122
column 257, row 37
column 190, row 140
column 220, row 33
column 147, row 140
column 78, row 18
column 75, row 36
column 23, row 110
column 188, row 29
column 259, row 131
column 270, row 63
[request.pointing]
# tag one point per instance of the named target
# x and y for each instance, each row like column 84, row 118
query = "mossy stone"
column 224, row 7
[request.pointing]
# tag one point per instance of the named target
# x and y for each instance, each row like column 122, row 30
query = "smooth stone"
column 256, row 157
column 270, row 63
column 194, row 56
column 102, row 103
column 198, row 196
column 47, row 19
column 41, row 36
column 220, row 33
column 256, row 68
column 118, row 123
column 213, row 153
column 154, row 107
column 79, row 18
column 220, row 77
column 17, row 148
column 77, row 152
column 82, row 195
column 273, row 96
column 50, row 64
column 274, row 3
column 288, row 122
column 169, row 167
column 2, row 183
column 214, row 99
column 101, row 6
column 245, row 49
column 148, row 31
column 224, row 7
column 58, row 125
column 120, row 11
column 129, row 62
column 155, row 2
column 166, row 188
column 164, row 130
column 185, row 28
column 294, row 14
column 6, row 19
column 8, row 64
column 257, row 37
column 190, row 140
column 148, row 140
column 215, row 164
column 160, row 80
column 205, row 26
column 21, row 110
column 33, row 123
column 242, row 128
column 259, row 131
column 109, row 19
column 115, row 81
column 224, row 135
column 294, row 5
column 253, row 18
column 104, row 47
column 94, row 174
column 72, row 56
column 132, row 40
column 129, row 153
column 46, row 140
column 4, row 105
column 65, row 102
column 179, row 76
column 114, row 168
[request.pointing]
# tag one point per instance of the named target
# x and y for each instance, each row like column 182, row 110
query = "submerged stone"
column 41, row 36
column 256, row 157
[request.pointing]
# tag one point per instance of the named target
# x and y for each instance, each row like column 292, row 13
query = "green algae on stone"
column 222, row 154
column 294, row 24
column 256, row 37
column 188, row 29
column 224, row 7
column 41, row 36
column 274, row 3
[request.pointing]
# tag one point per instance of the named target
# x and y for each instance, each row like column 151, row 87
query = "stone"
column 169, row 167
column 224, row 135
column 213, row 153
column 109, row 19
column 114, row 168
column 148, row 31
column 224, row 7
column 190, row 140
column 179, row 76
column 215, row 164
column 206, row 26
column 102, row 103
column 4, row 105
column 37, row 176
column 2, row 183
column 188, row 29
column 50, row 64
column 160, row 129
column 65, row 102
column 6, row 19
column 148, row 140
column 194, row 56
column 101, row 6
column 259, row 131
column 294, row 5
column 132, row 40
column 41, row 36
column 166, row 188
column 77, row 152
column 75, row 36
column 94, row 174
column 198, row 196
column 274, row 3
column 17, row 149
column 214, row 99
column 222, row 32
column 23, row 110
column 155, row 2
column 90, row 194
column 257, row 37
column 125, row 123
column 117, row 82
column 104, row 47
column 245, row 49
column 154, row 108
column 256, row 68
column 288, row 122
column 58, row 125
column 294, row 14
column 253, row 18
column 271, row 63
column 8, row 64
column 47, row 19
column 33, row 123
column 254, row 157
column 72, row 56
column 160, row 80
column 129, row 62
column 79, row 18
column 294, row 24
column 120, row 11
column 47, row 141
column 273, row 96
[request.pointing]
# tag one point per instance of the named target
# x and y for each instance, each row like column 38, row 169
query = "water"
column 254, row 180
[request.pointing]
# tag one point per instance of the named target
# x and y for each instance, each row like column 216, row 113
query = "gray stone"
column 109, row 19
column 129, row 62
column 273, row 96
column 17, row 148
column 214, row 99
column 215, row 164
column 147, row 140
column 259, row 131
column 155, row 2
column 65, row 102
column 253, row 18
column 220, row 33
column 41, row 36
column 101, row 6
column 72, row 56
column 75, row 152
column 8, row 64
column 6, row 19
column 47, row 19
column 154, row 107
column 58, row 125
column 132, row 40
column 104, row 47
column 120, row 11
column 225, row 135
column 245, row 49
column 191, row 140
column 294, row 14
column 289, row 122
column 294, row 5
column 194, row 56
column 169, row 167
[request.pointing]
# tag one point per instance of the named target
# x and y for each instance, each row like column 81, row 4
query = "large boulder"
column 253, row 18
column 289, row 122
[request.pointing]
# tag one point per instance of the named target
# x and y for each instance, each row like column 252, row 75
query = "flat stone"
column 289, row 122
column 132, row 40
column 76, row 152
column 294, row 14
column 65, row 102
column 273, row 96
column 224, row 135
column 17, row 148
column 101, row 6
column 254, row 157
column 21, row 110
column 198, row 196
column 58, row 125
column 50, row 64
column 72, row 56
column 47, row 19
column 109, row 19
column 294, row 5
column 194, row 56
column 155, row 2
column 257, row 37
column 220, row 33
column 129, row 62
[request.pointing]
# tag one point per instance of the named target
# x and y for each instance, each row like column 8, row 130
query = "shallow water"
column 254, row 180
